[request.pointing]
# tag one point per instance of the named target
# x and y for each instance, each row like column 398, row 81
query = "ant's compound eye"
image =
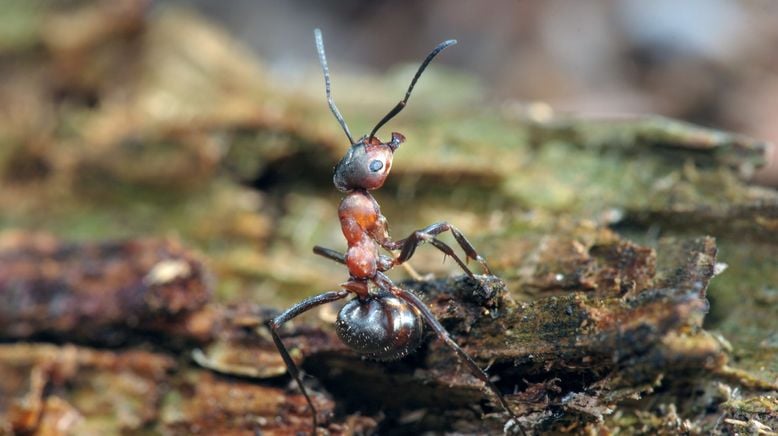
column 376, row 165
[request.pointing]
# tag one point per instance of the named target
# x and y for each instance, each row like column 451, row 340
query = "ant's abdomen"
column 385, row 328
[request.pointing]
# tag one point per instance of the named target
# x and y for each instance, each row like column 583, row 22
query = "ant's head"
column 368, row 161
column 366, row 164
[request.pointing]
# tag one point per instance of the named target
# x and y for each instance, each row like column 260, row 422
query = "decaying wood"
column 102, row 292
column 570, row 358
column 628, row 322
column 52, row 389
column 58, row 390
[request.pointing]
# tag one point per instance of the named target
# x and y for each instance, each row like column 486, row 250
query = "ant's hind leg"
column 275, row 323
column 443, row 335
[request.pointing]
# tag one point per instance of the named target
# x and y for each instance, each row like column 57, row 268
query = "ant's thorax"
column 362, row 225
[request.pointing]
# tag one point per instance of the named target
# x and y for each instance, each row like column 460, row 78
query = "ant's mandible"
column 383, row 321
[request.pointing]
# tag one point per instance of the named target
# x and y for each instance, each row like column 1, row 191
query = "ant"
column 384, row 321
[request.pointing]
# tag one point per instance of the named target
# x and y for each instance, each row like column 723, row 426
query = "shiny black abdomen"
column 382, row 328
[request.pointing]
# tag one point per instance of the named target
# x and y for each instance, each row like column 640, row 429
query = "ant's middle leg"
column 275, row 323
column 427, row 234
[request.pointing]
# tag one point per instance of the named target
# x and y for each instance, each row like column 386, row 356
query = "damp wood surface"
column 148, row 231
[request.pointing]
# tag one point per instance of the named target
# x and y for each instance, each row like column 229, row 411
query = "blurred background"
column 207, row 121
column 710, row 62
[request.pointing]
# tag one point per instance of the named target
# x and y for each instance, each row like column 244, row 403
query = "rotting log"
column 101, row 292
column 610, row 322
column 59, row 390
column 570, row 358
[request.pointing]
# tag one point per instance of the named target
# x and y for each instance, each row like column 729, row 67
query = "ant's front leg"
column 275, row 323
column 427, row 234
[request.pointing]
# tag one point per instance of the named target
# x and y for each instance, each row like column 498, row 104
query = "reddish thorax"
column 359, row 214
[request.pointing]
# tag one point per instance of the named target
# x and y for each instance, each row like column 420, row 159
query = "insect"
column 382, row 321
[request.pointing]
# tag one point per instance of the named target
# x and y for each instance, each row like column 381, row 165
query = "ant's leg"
column 448, row 251
column 297, row 309
column 409, row 244
column 444, row 336
column 330, row 254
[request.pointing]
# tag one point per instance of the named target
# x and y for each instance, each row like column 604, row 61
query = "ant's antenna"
column 323, row 62
column 401, row 105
